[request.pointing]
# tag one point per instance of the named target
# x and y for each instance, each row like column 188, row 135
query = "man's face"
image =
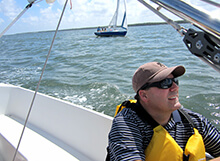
column 164, row 100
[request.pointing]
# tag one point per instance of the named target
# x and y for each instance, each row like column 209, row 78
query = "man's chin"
column 177, row 106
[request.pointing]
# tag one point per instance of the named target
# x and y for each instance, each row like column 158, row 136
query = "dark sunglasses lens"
column 167, row 83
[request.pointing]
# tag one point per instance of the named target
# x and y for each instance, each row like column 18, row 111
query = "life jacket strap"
column 176, row 116
column 186, row 115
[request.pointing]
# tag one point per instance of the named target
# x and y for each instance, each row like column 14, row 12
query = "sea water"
column 96, row 72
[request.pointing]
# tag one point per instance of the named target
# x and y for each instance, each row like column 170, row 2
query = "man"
column 157, row 127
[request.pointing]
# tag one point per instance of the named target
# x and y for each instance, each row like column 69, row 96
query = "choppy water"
column 96, row 72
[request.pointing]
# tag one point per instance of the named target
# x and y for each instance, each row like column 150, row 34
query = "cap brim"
column 176, row 71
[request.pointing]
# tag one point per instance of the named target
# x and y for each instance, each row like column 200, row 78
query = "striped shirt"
column 130, row 135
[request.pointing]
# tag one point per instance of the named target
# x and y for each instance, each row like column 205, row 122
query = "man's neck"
column 161, row 118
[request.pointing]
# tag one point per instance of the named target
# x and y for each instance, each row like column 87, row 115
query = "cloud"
column 9, row 8
column 86, row 13
column 47, row 14
column 92, row 13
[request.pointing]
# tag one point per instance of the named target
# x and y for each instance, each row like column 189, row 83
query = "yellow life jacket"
column 123, row 105
column 163, row 147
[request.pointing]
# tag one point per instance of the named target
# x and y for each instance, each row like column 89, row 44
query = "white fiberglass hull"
column 57, row 130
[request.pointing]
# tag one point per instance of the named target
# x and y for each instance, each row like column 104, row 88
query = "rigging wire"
column 176, row 26
column 12, row 23
column 38, row 1
column 31, row 106
column 212, row 3
column 19, row 16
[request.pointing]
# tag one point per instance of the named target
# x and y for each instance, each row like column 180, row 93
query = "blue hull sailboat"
column 112, row 29
column 111, row 33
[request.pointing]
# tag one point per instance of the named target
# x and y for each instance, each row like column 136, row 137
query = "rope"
column 31, row 106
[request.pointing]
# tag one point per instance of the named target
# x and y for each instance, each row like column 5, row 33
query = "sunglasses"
column 164, row 84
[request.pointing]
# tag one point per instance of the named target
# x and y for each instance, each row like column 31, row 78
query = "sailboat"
column 59, row 130
column 112, row 29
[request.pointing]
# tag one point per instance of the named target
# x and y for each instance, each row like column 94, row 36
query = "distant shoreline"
column 84, row 28
column 129, row 25
column 156, row 23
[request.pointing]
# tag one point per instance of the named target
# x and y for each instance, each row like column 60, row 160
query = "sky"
column 84, row 13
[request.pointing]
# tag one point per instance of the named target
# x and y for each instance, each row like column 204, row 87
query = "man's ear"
column 143, row 94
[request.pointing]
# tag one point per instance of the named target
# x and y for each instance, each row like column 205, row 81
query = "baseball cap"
column 154, row 72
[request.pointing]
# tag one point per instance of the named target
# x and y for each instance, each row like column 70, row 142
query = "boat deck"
column 43, row 149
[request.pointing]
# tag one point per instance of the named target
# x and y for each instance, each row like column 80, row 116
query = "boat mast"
column 116, row 15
